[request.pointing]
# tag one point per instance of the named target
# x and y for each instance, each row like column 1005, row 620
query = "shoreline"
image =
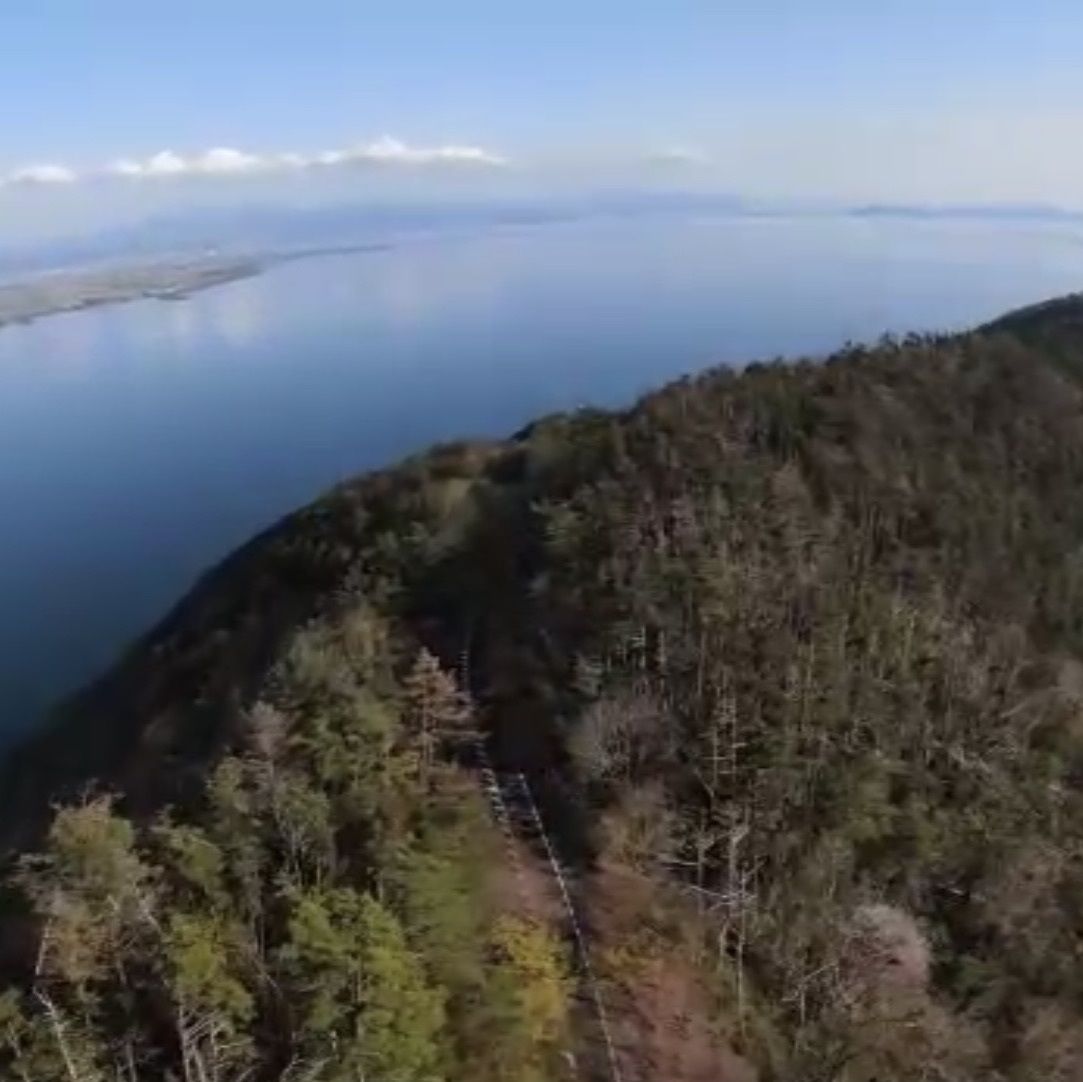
column 28, row 300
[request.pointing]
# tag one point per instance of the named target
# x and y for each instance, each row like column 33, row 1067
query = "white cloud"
column 387, row 150
column 218, row 161
column 125, row 167
column 40, row 174
column 231, row 162
column 228, row 161
column 678, row 155
column 327, row 157
column 163, row 164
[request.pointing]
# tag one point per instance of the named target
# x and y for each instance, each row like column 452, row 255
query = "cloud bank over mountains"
column 40, row 174
column 232, row 162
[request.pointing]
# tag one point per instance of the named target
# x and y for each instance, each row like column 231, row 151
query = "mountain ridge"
column 1048, row 323
column 789, row 656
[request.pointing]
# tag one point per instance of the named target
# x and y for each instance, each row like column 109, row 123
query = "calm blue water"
column 139, row 444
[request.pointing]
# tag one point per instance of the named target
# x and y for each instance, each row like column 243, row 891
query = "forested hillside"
column 791, row 661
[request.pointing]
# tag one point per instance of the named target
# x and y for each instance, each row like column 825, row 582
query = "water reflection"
column 182, row 324
column 234, row 312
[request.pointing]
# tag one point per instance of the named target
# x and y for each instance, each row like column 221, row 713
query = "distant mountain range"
column 1002, row 211
column 277, row 228
column 247, row 230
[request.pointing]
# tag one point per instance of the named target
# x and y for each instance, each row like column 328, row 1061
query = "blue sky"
column 114, row 105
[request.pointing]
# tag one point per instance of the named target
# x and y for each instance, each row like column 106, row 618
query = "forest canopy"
column 789, row 660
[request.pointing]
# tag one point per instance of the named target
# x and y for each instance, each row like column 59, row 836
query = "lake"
column 141, row 443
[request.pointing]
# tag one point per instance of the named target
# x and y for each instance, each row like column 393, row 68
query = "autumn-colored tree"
column 434, row 709
column 525, row 1010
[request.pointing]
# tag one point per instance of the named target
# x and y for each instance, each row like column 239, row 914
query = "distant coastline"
column 29, row 299
column 157, row 261
column 74, row 290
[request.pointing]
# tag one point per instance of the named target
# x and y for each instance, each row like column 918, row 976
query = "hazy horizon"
column 210, row 106
column 271, row 226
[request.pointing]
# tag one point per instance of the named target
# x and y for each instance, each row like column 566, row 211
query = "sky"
column 117, row 109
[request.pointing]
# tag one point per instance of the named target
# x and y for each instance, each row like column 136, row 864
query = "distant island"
column 69, row 291
column 24, row 300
